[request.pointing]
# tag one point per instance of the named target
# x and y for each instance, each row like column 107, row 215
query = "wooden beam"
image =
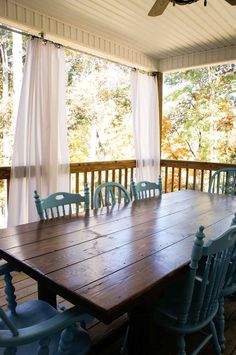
column 160, row 101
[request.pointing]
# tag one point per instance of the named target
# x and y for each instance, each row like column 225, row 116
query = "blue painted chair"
column 109, row 193
column 57, row 205
column 146, row 189
column 60, row 204
column 35, row 327
column 191, row 303
column 228, row 290
column 223, row 181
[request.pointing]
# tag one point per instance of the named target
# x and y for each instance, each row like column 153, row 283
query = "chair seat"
column 33, row 312
column 166, row 312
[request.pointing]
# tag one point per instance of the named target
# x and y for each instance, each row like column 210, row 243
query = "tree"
column 99, row 109
column 11, row 52
column 6, row 92
column 199, row 121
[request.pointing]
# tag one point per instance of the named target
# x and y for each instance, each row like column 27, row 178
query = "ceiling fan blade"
column 231, row 2
column 159, row 7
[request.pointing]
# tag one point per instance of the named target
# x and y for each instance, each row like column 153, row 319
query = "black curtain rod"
column 41, row 36
column 153, row 73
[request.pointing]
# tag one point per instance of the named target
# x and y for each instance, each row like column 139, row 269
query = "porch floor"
column 107, row 339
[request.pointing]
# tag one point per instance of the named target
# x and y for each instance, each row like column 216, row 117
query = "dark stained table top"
column 112, row 260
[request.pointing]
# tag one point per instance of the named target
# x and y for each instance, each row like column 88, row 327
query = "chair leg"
column 181, row 344
column 220, row 324
column 215, row 339
column 123, row 350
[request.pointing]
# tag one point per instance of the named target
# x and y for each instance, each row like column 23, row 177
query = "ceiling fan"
column 160, row 5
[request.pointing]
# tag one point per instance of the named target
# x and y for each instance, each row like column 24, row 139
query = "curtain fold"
column 40, row 155
column 145, row 115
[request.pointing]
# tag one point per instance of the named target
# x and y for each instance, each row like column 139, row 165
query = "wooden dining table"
column 114, row 260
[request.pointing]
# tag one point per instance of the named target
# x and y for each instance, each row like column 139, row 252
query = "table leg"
column 47, row 295
column 137, row 340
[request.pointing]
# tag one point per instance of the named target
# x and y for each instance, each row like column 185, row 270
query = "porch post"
column 160, row 102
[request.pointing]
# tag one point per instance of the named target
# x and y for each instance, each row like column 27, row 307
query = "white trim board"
column 32, row 21
column 199, row 59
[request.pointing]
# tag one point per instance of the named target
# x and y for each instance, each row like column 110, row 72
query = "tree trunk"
column 212, row 117
column 17, row 72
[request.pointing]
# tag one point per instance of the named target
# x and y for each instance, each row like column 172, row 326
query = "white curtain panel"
column 145, row 113
column 40, row 156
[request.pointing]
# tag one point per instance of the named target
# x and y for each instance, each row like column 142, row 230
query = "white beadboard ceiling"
column 180, row 30
column 121, row 30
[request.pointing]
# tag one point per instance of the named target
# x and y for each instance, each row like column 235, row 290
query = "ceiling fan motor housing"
column 183, row 2
column 160, row 5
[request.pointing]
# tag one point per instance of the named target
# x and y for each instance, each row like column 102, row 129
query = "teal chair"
column 56, row 205
column 191, row 303
column 60, row 204
column 228, row 290
column 110, row 193
column 223, row 181
column 146, row 189
column 35, row 327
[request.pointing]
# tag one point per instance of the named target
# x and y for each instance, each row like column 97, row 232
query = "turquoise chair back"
column 110, row 193
column 206, row 279
column 228, row 289
column 223, row 181
column 60, row 204
column 146, row 189
column 230, row 280
column 35, row 327
column 191, row 302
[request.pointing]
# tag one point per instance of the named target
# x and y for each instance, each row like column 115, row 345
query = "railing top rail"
column 131, row 163
column 195, row 164
column 102, row 165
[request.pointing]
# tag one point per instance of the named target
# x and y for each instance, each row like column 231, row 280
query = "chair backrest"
column 206, row 276
column 146, row 189
column 223, row 181
column 35, row 327
column 60, row 204
column 109, row 193
column 230, row 279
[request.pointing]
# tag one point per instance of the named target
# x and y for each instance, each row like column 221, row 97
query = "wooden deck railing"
column 176, row 175
column 95, row 173
column 193, row 175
